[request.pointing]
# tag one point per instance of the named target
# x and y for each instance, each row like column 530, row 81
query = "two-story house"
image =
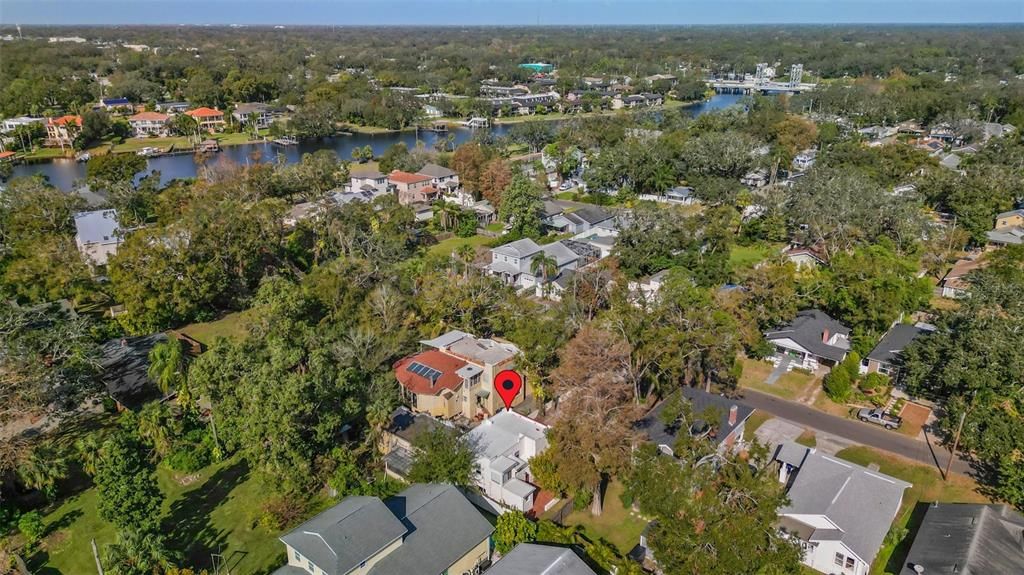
column 513, row 262
column 97, row 235
column 62, row 131
column 367, row 180
column 454, row 376
column 207, row 119
column 428, row 529
column 253, row 114
column 811, row 340
column 148, row 124
column 413, row 188
column 504, row 445
column 838, row 512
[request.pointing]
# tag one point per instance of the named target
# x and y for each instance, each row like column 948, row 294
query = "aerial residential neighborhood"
column 325, row 288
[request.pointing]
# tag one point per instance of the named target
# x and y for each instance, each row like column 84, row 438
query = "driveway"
column 927, row 451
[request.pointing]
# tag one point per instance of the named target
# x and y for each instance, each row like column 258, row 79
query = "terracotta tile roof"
column 204, row 113
column 406, row 177
column 149, row 117
column 64, row 120
column 434, row 359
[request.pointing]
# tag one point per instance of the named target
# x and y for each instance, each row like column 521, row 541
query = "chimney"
column 732, row 415
column 824, row 335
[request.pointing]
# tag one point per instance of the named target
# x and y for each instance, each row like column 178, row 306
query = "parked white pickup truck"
column 879, row 417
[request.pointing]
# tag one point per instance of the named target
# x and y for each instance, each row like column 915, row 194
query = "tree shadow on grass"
column 899, row 555
column 188, row 522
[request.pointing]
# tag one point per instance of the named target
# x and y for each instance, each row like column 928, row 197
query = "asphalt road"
column 929, row 452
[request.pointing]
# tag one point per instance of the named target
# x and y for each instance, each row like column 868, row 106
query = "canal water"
column 64, row 173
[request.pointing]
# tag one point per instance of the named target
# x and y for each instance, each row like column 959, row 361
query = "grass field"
column 231, row 326
column 746, row 257
column 446, row 247
column 216, row 512
column 755, row 421
column 616, row 524
column 790, row 386
column 927, row 487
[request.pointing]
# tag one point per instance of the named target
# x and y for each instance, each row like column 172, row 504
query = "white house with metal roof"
column 97, row 235
column 504, row 444
column 839, row 512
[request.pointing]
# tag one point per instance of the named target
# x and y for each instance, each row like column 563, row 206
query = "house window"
column 312, row 568
column 298, row 558
column 884, row 369
column 849, row 563
column 839, row 559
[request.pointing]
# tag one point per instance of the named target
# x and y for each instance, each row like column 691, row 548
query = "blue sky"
column 507, row 12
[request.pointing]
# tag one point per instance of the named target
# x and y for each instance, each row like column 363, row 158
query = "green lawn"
column 927, row 487
column 496, row 227
column 48, row 154
column 755, row 421
column 217, row 511
column 746, row 257
column 616, row 524
column 807, row 439
column 446, row 247
column 231, row 326
column 790, row 386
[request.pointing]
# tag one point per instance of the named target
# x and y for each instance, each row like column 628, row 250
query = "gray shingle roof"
column 808, row 328
column 519, row 248
column 409, row 425
column 895, row 341
column 860, row 502
column 560, row 252
column 533, row 559
column 125, row 363
column 968, row 539
column 700, row 403
column 443, row 527
column 436, row 523
column 342, row 537
column 592, row 214
column 436, row 171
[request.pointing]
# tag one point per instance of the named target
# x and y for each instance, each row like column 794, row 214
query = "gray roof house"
column 125, row 365
column 97, row 235
column 885, row 357
column 811, row 340
column 438, row 173
column 839, row 512
column 967, row 539
column 725, row 429
column 428, row 528
column 534, row 559
column 513, row 262
column 399, row 437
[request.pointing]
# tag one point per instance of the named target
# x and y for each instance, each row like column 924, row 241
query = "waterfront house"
column 11, row 124
column 149, row 124
column 208, row 119
column 413, row 188
column 252, row 114
column 62, row 131
column 367, row 180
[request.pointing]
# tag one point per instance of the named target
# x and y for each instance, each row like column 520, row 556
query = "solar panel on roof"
column 424, row 371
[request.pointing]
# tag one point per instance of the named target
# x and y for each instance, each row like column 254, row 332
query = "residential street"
column 863, row 433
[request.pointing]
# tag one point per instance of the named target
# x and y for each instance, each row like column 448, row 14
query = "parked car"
column 565, row 185
column 879, row 417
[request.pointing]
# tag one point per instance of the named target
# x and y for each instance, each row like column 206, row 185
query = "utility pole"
column 956, row 438
column 96, row 555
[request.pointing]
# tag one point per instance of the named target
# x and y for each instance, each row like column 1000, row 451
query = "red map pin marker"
column 508, row 383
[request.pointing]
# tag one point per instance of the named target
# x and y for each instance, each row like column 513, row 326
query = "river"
column 64, row 173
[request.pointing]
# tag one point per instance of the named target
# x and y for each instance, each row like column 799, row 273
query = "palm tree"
column 167, row 367
column 138, row 553
column 154, row 426
column 546, row 265
column 42, row 469
column 88, row 449
column 448, row 214
column 467, row 253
